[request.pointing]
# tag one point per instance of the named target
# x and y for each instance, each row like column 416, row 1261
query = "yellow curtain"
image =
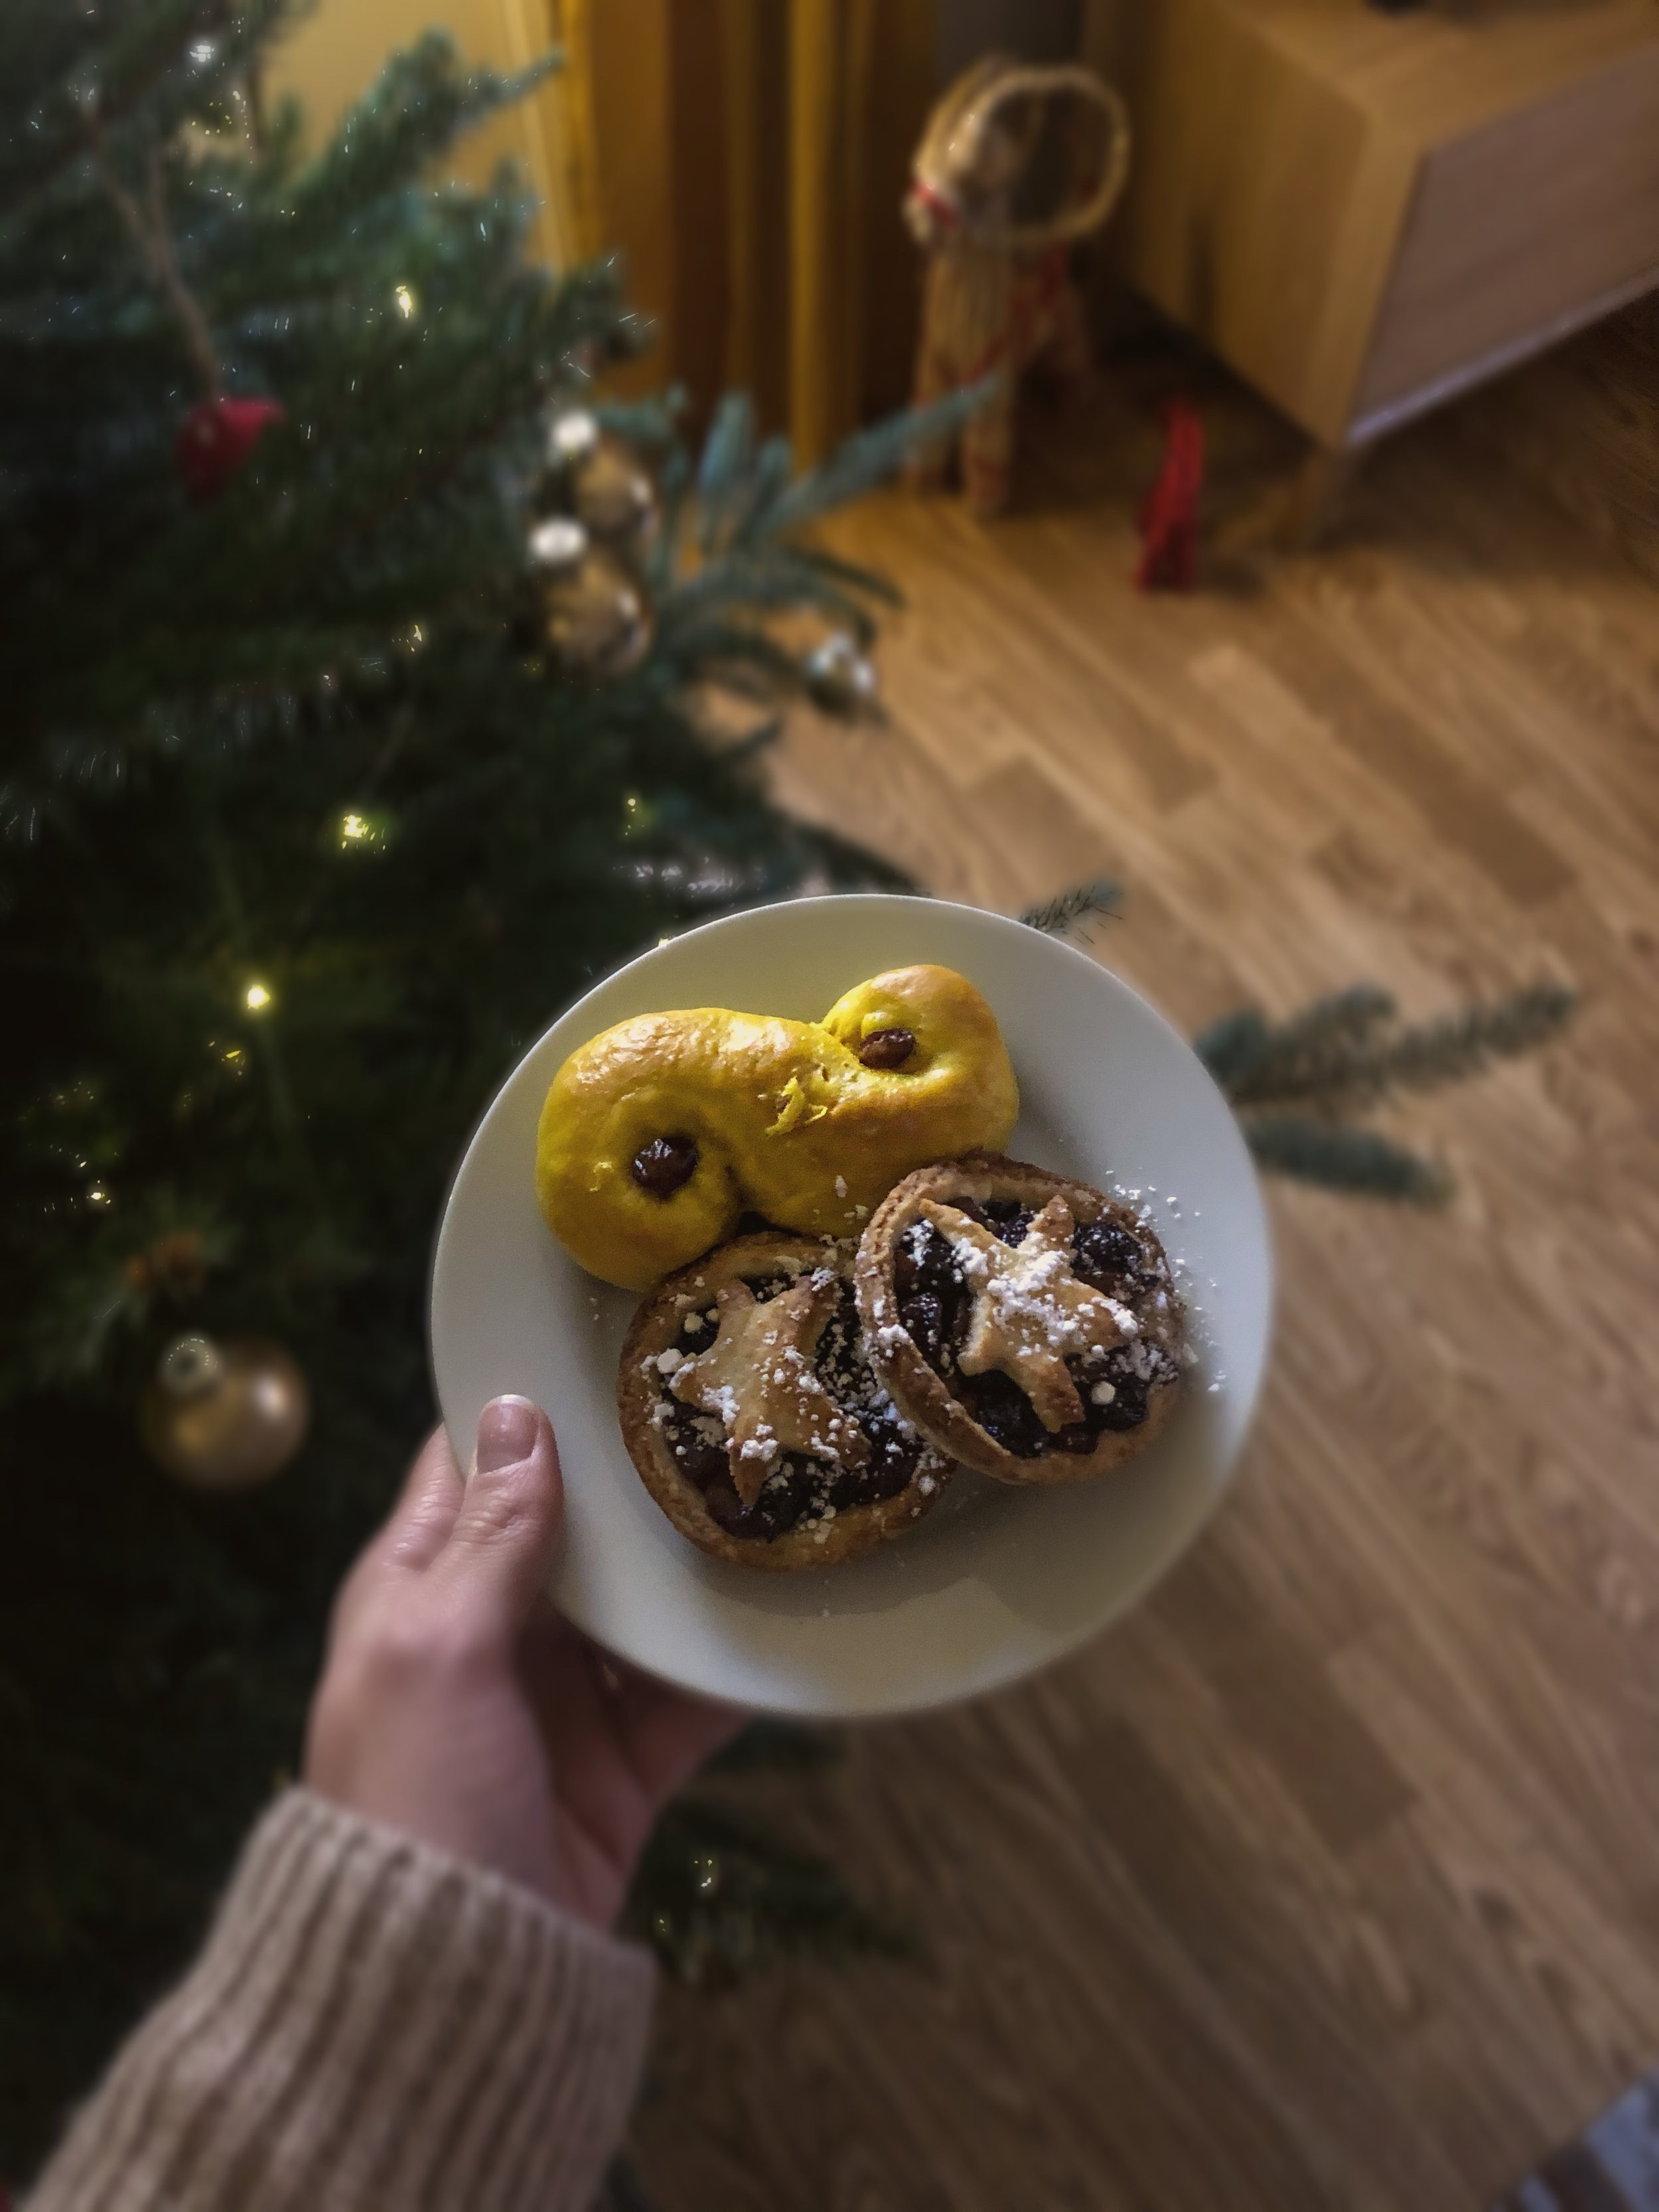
column 747, row 158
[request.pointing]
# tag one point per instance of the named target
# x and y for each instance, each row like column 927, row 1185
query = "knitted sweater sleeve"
column 370, row 2025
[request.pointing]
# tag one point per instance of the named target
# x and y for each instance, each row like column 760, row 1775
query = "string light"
column 98, row 1195
column 256, row 998
column 361, row 833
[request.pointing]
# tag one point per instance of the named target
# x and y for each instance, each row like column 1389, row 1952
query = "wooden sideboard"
column 1364, row 213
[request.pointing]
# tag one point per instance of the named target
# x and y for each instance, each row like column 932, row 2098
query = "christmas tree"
column 339, row 753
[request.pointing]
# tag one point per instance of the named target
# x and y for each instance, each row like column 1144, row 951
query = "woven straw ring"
column 968, row 108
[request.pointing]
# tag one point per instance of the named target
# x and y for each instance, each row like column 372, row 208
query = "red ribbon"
column 945, row 210
column 1169, row 513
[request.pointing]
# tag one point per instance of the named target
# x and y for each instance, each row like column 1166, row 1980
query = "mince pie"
column 751, row 1410
column 1028, row 1325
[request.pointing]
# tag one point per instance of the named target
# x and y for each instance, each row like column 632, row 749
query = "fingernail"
column 507, row 1433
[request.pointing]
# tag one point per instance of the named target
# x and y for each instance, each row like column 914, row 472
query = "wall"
column 1036, row 30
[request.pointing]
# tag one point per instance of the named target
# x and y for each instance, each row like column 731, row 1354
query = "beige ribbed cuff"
column 373, row 2027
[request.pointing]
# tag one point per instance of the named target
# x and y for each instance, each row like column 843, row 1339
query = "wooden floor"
column 1332, row 1880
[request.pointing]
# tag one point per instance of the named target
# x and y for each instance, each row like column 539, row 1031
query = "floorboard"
column 1329, row 1880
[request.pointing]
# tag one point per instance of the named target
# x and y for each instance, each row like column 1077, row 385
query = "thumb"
column 511, row 1519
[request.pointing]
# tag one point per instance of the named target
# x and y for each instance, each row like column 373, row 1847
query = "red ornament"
column 216, row 438
column 1169, row 513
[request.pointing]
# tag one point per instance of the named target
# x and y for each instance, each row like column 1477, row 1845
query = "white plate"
column 996, row 1581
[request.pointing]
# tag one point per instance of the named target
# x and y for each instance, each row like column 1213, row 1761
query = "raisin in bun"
column 748, row 1407
column 1027, row 1324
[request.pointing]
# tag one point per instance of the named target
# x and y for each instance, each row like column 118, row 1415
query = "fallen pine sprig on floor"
column 1297, row 1086
column 1348, row 1051
column 719, row 1893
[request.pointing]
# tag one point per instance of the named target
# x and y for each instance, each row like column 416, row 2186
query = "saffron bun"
column 657, row 1136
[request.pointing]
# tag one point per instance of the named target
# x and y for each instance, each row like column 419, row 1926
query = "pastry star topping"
column 758, row 1376
column 1030, row 1313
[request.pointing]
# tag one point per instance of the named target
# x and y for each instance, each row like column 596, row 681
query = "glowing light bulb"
column 256, row 998
column 406, row 300
column 362, row 833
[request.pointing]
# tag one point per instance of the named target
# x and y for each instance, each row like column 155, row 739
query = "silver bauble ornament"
column 840, row 679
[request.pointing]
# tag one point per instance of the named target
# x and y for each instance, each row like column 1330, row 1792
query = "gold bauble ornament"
column 596, row 480
column 615, row 501
column 224, row 1417
column 597, row 624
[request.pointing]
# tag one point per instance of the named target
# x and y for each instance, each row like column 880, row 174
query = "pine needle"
column 1360, row 1162
column 1055, row 916
column 870, row 457
column 719, row 1895
column 1247, row 1056
column 726, row 468
column 1336, row 1055
column 1433, row 1054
